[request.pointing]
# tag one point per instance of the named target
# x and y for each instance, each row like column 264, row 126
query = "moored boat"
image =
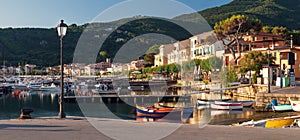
column 279, row 122
column 295, row 105
column 278, row 107
column 52, row 88
column 247, row 103
column 226, row 105
column 207, row 102
column 282, row 107
column 155, row 111
column 34, row 86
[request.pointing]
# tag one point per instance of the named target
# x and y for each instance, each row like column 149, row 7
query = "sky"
column 47, row 13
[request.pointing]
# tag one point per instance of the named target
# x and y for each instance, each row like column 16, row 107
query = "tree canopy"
column 281, row 31
column 231, row 30
column 253, row 61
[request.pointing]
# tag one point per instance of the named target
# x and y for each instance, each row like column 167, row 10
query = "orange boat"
column 155, row 111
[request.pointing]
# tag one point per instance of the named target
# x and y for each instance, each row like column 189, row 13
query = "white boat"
column 52, row 87
column 203, row 102
column 20, row 86
column 207, row 102
column 282, row 107
column 247, row 103
column 34, row 86
column 226, row 105
column 295, row 105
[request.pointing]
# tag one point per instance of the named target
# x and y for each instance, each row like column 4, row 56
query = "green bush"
column 254, row 79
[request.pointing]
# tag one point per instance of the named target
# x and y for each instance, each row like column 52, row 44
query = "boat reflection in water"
column 46, row 104
column 203, row 116
column 163, row 114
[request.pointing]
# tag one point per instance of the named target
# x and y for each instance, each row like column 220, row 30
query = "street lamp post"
column 269, row 86
column 280, row 70
column 61, row 30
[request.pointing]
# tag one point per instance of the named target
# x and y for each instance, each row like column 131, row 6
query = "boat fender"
column 272, row 103
column 105, row 87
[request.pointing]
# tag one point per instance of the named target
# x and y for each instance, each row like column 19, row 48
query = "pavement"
column 286, row 90
column 75, row 128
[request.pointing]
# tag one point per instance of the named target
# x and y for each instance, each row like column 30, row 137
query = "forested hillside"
column 270, row 12
column 41, row 46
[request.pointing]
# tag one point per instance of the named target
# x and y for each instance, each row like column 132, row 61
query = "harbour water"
column 46, row 104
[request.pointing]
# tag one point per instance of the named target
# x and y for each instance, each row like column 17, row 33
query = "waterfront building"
column 180, row 52
column 254, row 42
column 279, row 48
column 201, row 45
column 29, row 68
column 162, row 58
column 136, row 64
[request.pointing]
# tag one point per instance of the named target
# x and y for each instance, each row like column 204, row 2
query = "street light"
column 61, row 30
column 280, row 70
column 269, row 88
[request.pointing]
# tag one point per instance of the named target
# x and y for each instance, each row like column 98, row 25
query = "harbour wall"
column 263, row 99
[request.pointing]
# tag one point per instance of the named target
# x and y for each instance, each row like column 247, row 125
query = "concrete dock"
column 74, row 128
column 282, row 95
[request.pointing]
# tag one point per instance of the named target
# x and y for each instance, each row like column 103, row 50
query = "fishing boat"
column 207, row 102
column 52, row 88
column 278, row 107
column 271, row 123
column 155, row 111
column 247, row 103
column 34, row 86
column 226, row 105
column 279, row 122
column 295, row 105
column 282, row 107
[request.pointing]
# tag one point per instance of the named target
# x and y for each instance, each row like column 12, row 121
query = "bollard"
column 25, row 113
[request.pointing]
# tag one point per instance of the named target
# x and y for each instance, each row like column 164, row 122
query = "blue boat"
column 279, row 107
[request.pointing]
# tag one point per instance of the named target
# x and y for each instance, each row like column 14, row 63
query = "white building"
column 180, row 52
column 162, row 58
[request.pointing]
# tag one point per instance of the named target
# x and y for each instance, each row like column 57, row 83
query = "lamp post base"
column 61, row 115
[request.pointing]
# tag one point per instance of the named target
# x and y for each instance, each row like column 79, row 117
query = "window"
column 265, row 38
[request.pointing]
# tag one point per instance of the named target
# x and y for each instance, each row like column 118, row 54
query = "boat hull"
column 279, row 123
column 282, row 107
column 295, row 105
column 247, row 103
column 155, row 112
column 226, row 106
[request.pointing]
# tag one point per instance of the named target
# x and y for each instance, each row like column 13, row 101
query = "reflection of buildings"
column 208, row 116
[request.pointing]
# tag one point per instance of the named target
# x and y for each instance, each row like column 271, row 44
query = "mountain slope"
column 270, row 12
column 41, row 46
